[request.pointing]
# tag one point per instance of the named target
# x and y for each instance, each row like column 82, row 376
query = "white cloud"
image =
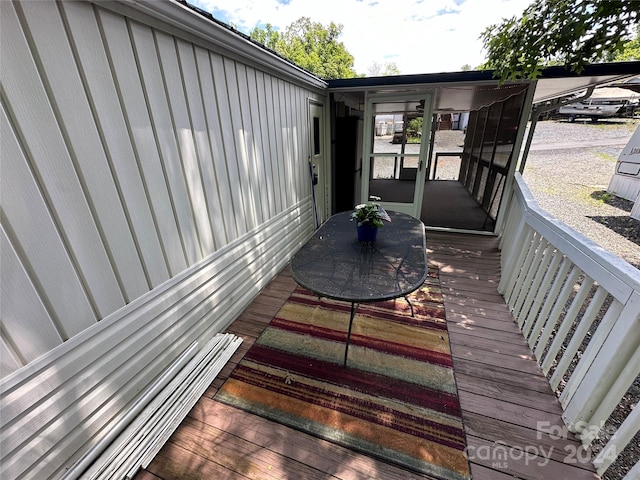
column 420, row 36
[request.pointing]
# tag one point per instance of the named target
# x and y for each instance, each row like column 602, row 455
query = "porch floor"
column 445, row 203
column 502, row 391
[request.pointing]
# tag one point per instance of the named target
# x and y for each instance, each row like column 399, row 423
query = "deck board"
column 502, row 392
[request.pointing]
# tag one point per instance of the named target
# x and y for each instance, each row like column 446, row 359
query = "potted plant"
column 369, row 217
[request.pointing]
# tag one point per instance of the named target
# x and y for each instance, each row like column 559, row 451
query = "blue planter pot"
column 367, row 233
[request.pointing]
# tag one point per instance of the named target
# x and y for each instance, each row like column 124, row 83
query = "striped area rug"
column 395, row 400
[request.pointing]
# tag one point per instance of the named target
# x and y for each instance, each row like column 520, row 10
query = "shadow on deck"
column 506, row 401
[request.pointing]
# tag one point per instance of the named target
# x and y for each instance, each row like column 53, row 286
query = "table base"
column 354, row 310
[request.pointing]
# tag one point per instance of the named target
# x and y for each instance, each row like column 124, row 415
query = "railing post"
column 586, row 359
column 627, row 430
column 619, row 347
column 510, row 261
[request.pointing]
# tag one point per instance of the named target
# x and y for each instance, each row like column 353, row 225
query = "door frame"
column 318, row 164
column 415, row 207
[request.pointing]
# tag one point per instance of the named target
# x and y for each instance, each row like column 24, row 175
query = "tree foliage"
column 570, row 32
column 379, row 70
column 310, row 45
column 630, row 50
column 268, row 37
column 414, row 127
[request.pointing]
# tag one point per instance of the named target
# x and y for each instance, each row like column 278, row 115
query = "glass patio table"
column 334, row 264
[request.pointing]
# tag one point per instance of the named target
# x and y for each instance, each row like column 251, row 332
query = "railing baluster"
column 535, row 318
column 558, row 306
column 630, row 371
column 549, row 302
column 535, row 254
column 605, row 369
column 510, row 242
column 578, row 336
column 567, row 323
column 597, row 339
column 622, row 437
column 542, row 263
column 534, row 239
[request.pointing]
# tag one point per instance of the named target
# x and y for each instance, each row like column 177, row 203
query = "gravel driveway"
column 568, row 170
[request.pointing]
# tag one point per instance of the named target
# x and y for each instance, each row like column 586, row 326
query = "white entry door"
column 396, row 144
column 319, row 173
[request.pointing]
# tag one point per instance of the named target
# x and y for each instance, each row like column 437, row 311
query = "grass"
column 586, row 195
column 602, row 196
column 628, row 124
column 583, row 194
column 607, row 157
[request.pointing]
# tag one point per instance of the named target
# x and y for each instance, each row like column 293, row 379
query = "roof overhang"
column 468, row 91
column 557, row 82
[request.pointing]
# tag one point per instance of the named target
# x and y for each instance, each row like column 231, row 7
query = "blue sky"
column 420, row 36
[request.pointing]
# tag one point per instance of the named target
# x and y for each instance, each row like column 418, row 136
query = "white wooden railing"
column 578, row 306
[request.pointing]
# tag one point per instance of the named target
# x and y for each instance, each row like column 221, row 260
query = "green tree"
column 630, row 50
column 310, row 45
column 571, row 32
column 268, row 37
column 414, row 127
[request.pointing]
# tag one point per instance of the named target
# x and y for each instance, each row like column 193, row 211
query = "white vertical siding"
column 111, row 121
column 267, row 141
column 229, row 149
column 131, row 96
column 152, row 49
column 130, row 154
column 258, row 154
column 176, row 63
column 36, row 118
column 233, row 79
column 152, row 183
column 9, row 356
column 22, row 310
column 221, row 209
column 32, row 231
column 212, row 214
column 70, row 104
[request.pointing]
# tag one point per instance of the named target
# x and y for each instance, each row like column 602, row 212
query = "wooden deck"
column 506, row 401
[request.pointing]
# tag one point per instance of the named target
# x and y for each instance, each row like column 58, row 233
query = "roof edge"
column 599, row 69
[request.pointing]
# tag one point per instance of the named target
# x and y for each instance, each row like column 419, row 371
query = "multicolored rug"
column 396, row 399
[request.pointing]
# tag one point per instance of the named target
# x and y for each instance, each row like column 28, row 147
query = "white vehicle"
column 625, row 182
